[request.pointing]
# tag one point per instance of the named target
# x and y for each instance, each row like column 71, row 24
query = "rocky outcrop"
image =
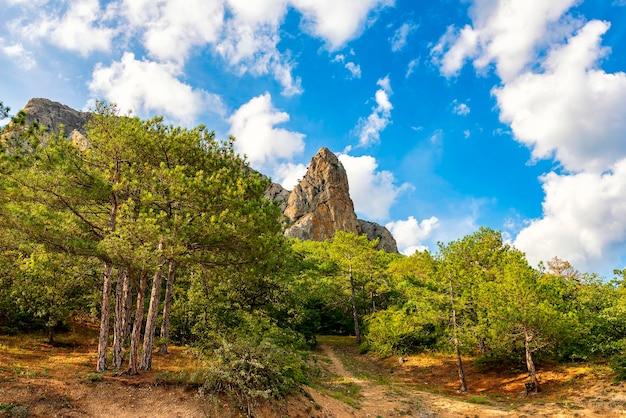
column 52, row 114
column 320, row 204
column 375, row 231
column 278, row 194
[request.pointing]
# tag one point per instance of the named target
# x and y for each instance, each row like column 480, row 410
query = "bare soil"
column 42, row 380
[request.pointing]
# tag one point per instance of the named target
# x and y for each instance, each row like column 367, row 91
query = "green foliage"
column 399, row 331
column 4, row 111
column 618, row 364
column 256, row 361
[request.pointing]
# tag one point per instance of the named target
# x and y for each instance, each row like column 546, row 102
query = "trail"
column 393, row 400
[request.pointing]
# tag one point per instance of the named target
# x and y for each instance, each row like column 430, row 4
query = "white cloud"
column 19, row 55
column 289, row 174
column 369, row 129
column 571, row 109
column 411, row 234
column 253, row 125
column 81, row 28
column 504, row 32
column 252, row 47
column 366, row 181
column 173, row 28
column 561, row 105
column 584, row 220
column 355, row 69
column 461, row 109
column 399, row 39
column 410, row 68
column 130, row 83
column 337, row 21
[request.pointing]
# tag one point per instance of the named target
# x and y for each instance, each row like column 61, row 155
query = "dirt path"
column 388, row 400
column 400, row 399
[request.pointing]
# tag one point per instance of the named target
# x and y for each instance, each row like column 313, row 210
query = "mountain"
column 320, row 204
column 52, row 114
column 317, row 207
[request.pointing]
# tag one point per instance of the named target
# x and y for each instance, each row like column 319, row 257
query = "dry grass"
column 40, row 379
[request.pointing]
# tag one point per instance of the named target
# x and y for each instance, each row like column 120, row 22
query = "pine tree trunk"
column 127, row 307
column 167, row 308
column 104, row 318
column 133, row 361
column 118, row 325
column 355, row 314
column 482, row 347
column 530, row 364
column 455, row 337
column 153, row 311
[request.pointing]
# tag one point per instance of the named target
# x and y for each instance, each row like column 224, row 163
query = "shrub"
column 618, row 364
column 396, row 331
column 257, row 362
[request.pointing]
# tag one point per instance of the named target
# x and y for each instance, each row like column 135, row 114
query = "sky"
column 447, row 115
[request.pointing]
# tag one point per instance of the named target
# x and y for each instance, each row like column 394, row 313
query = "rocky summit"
column 52, row 114
column 320, row 205
column 317, row 207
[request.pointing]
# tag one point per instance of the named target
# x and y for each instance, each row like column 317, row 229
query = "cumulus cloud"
column 563, row 106
column 250, row 42
column 411, row 234
column 172, row 28
column 130, row 83
column 504, row 32
column 337, row 21
column 369, row 129
column 366, row 181
column 584, row 219
column 82, row 28
column 19, row 55
column 571, row 109
column 289, row 175
column 245, row 33
column 253, row 125
column 399, row 39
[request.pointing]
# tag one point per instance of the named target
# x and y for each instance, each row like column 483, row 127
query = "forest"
column 162, row 235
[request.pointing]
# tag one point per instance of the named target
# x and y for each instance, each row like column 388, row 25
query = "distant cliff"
column 52, row 114
column 320, row 204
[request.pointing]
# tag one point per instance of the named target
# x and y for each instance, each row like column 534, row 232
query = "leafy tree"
column 354, row 256
column 4, row 111
column 51, row 286
column 416, row 316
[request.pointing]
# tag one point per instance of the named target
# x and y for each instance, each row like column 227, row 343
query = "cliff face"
column 375, row 231
column 320, row 204
column 51, row 114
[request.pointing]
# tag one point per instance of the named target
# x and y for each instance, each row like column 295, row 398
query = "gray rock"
column 52, row 114
column 375, row 231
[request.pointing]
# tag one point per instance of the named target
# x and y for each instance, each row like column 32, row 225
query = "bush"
column 618, row 364
column 395, row 331
column 257, row 362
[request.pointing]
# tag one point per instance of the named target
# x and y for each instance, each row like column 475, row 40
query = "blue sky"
column 448, row 115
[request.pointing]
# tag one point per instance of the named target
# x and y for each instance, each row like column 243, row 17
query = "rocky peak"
column 52, row 114
column 320, row 204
